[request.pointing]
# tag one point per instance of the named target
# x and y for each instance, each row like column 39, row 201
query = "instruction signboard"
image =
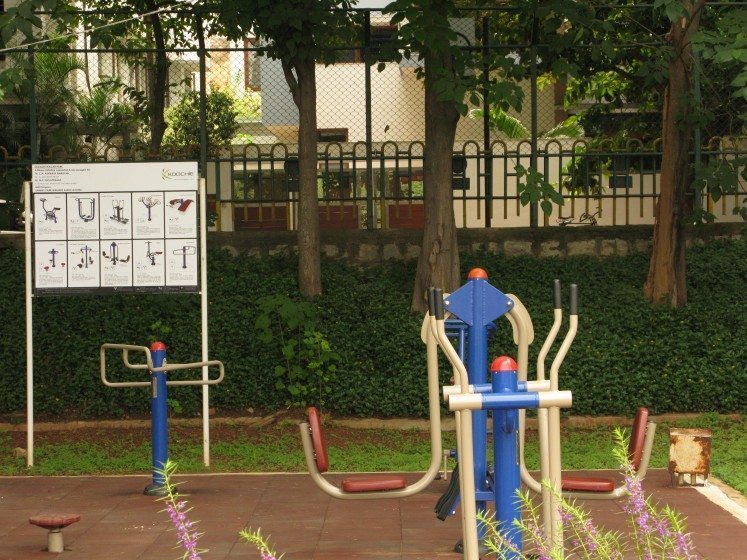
column 116, row 227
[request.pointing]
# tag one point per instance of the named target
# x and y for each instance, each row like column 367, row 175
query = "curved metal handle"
column 126, row 348
column 192, row 365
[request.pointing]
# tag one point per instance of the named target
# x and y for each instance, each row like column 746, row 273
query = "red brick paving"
column 118, row 521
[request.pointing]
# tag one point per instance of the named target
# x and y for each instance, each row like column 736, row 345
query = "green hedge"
column 627, row 352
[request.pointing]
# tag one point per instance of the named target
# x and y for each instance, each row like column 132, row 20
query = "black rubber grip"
column 574, row 299
column 556, row 294
column 431, row 301
column 439, row 304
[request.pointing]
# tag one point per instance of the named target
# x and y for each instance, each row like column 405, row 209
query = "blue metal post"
column 505, row 445
column 477, row 370
column 159, row 420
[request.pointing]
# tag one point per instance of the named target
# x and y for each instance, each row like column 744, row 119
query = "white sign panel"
column 116, row 227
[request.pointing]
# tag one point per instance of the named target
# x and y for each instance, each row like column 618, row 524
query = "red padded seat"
column 586, row 484
column 364, row 483
column 373, row 483
column 318, row 439
column 637, row 438
column 54, row 520
column 635, row 455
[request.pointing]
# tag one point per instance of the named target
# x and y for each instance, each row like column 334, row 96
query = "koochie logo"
column 169, row 174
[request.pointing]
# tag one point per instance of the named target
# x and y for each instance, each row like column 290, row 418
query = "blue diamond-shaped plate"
column 477, row 303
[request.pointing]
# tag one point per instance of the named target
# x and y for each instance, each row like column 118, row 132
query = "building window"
column 382, row 35
column 332, row 134
column 252, row 66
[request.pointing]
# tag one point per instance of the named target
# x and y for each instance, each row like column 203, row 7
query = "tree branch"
column 290, row 78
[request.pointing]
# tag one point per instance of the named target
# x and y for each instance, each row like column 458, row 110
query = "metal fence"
column 370, row 131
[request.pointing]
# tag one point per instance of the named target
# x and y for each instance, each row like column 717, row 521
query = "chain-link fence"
column 230, row 107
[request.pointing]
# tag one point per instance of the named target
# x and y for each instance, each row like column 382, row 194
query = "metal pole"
column 505, row 443
column 204, row 324
column 29, row 328
column 477, row 368
column 486, row 123
column 33, row 125
column 369, row 123
column 533, row 207
column 159, row 429
column 203, row 96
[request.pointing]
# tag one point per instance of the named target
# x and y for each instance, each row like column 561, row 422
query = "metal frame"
column 428, row 336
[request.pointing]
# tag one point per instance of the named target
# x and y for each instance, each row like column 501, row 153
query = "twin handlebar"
column 148, row 365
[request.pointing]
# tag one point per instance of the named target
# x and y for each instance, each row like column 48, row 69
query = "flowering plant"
column 186, row 536
column 655, row 532
column 177, row 510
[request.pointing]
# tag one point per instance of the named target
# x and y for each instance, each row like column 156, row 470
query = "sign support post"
column 204, row 333
column 29, row 329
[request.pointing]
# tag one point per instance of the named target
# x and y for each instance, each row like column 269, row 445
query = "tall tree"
column 450, row 80
column 298, row 34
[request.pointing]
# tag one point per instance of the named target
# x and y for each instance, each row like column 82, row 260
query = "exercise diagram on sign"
column 117, row 227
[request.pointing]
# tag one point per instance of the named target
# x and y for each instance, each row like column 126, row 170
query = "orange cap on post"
column 477, row 273
column 503, row 363
column 156, row 346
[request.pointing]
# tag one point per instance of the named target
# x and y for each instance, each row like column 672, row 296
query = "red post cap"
column 477, row 273
column 503, row 363
column 156, row 346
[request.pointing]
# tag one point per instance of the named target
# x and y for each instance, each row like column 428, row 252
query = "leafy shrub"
column 627, row 353
column 183, row 120
column 308, row 364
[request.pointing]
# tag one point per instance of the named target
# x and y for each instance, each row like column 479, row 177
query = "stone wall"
column 374, row 247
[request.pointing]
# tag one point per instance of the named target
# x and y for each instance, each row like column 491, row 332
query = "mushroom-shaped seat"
column 54, row 523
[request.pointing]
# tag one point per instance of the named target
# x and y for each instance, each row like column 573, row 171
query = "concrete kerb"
column 352, row 423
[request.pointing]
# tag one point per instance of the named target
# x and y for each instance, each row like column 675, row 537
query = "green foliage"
column 534, row 187
column 627, row 353
column 308, row 364
column 100, row 115
column 184, row 120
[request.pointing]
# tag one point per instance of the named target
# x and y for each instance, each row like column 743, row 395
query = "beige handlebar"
column 127, row 348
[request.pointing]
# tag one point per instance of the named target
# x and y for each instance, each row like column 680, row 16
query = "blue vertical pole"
column 506, row 460
column 477, row 368
column 159, row 420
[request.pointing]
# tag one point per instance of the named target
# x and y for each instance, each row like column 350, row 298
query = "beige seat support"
column 427, row 333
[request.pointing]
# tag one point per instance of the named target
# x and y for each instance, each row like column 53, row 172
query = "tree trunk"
column 309, row 266
column 666, row 281
column 438, row 263
column 159, row 76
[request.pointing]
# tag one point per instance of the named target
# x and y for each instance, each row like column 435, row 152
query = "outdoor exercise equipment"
column 87, row 259
column 50, row 215
column 155, row 364
column 149, row 202
column 151, row 255
column 113, row 255
column 184, row 251
column 642, row 438
column 477, row 303
column 86, row 209
column 181, row 204
column 54, row 252
column 118, row 206
column 379, row 486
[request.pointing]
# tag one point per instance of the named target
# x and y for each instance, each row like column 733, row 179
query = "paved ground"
column 119, row 522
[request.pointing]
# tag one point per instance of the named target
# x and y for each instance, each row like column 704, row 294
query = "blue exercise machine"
column 155, row 364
